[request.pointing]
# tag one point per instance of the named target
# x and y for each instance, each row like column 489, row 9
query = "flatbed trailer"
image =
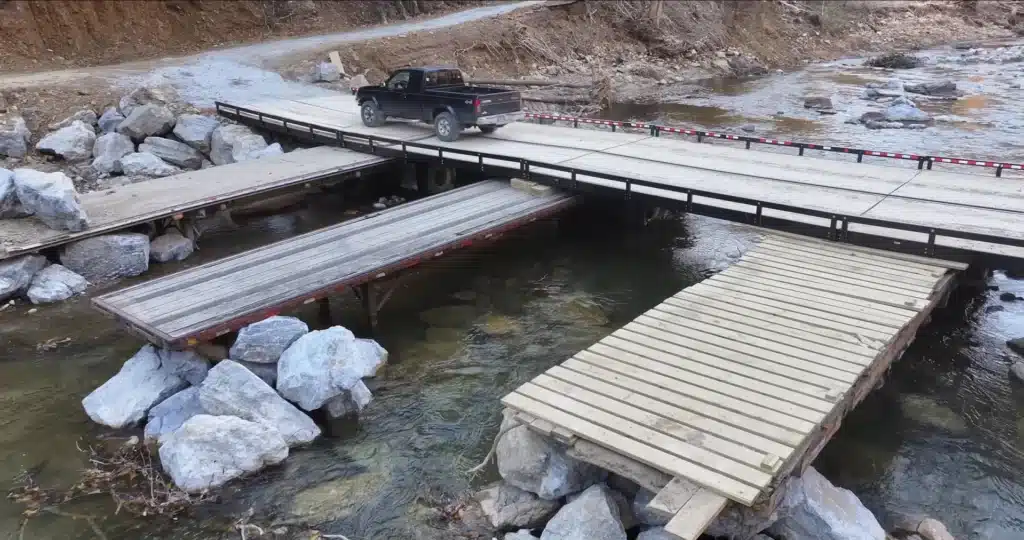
column 202, row 303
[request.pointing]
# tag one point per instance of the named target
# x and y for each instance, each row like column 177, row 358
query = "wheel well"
column 437, row 112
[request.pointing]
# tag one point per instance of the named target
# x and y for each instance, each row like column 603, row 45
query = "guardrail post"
column 689, row 201
column 832, row 229
column 930, row 249
column 700, row 136
column 655, row 131
column 801, row 151
column 920, row 163
column 999, row 171
column 846, row 229
column 575, row 183
column 860, row 156
column 575, row 122
column 748, row 144
column 759, row 213
column 929, row 164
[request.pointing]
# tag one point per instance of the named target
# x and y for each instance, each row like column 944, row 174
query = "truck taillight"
column 476, row 106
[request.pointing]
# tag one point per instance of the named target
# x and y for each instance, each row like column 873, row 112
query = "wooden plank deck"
column 191, row 303
column 124, row 206
column 731, row 383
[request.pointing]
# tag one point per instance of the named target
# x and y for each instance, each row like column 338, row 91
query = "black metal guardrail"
column 923, row 161
column 838, row 229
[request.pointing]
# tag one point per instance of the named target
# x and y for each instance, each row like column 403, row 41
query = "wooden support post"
column 324, row 304
column 369, row 300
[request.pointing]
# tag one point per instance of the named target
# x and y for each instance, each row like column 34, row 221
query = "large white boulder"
column 14, row 136
column 10, row 205
column 16, row 274
column 814, row 509
column 173, row 152
column 263, row 342
column 508, row 507
column 230, row 389
column 73, row 143
column 145, row 164
column 147, row 121
column 196, row 130
column 85, row 116
column 109, row 120
column 232, row 143
column 108, row 150
column 188, row 365
column 169, row 415
column 54, row 284
column 208, row 451
column 160, row 95
column 319, row 366
column 369, row 358
column 127, row 397
column 540, row 465
column 170, row 246
column 108, row 257
column 593, row 515
column 52, row 198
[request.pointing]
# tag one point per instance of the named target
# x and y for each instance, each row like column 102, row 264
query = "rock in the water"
column 942, row 88
column 369, row 358
column 266, row 372
column 107, row 257
column 127, row 397
column 54, row 284
column 817, row 102
column 52, row 198
column 109, row 120
column 539, row 465
column 147, row 121
column 1008, row 297
column 906, row 113
column 351, row 402
column 902, row 100
column 14, row 136
column 814, row 509
column 647, row 516
column 326, row 72
column 162, row 95
column 173, row 152
column 319, row 366
column 16, row 274
column 523, row 534
column 188, row 365
column 174, row 411
column 10, row 205
column 933, row 529
column 145, row 164
column 657, row 533
column 739, row 521
column 108, row 150
column 272, row 150
column 749, row 128
column 196, row 130
column 1017, row 370
column 208, row 451
column 230, row 389
column 84, row 116
column 263, row 342
column 591, row 516
column 233, row 143
column 507, row 507
column 1016, row 345
column 896, row 60
column 170, row 246
column 73, row 143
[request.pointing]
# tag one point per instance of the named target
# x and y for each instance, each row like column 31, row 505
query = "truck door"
column 399, row 102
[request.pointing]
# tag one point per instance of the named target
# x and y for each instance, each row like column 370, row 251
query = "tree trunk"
column 401, row 9
column 415, row 7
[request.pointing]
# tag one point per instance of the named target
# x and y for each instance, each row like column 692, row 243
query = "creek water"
column 944, row 436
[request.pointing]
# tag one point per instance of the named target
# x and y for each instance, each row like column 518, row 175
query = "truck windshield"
column 446, row 77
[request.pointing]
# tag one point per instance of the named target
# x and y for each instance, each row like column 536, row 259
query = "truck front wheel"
column 447, row 127
column 372, row 117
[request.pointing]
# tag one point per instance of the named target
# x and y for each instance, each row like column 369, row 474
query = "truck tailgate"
column 502, row 103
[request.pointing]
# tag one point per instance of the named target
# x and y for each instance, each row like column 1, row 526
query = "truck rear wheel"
column 447, row 127
column 371, row 115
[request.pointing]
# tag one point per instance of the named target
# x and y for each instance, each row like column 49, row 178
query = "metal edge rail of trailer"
column 388, row 269
column 837, row 231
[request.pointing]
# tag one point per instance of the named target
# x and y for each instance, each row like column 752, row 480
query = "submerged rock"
column 230, row 389
column 942, row 88
column 108, row 151
column 208, row 451
column 55, row 283
column 817, row 102
column 127, row 397
column 16, row 274
column 108, row 257
column 508, row 507
column 896, row 60
column 170, row 246
column 814, row 509
column 263, row 342
column 169, row 415
column 351, row 402
column 1017, row 371
column 927, row 411
column 196, row 130
column 540, row 465
column 593, row 515
column 14, row 136
column 1016, row 345
column 52, row 198
column 234, row 143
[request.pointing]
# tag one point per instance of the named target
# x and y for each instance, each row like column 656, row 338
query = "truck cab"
column 438, row 96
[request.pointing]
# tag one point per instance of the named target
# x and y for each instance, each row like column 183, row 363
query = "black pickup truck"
column 439, row 96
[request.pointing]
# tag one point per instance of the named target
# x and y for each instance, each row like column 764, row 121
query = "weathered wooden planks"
column 724, row 383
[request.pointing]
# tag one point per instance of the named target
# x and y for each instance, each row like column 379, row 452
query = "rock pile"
column 901, row 111
column 214, row 424
column 34, row 278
